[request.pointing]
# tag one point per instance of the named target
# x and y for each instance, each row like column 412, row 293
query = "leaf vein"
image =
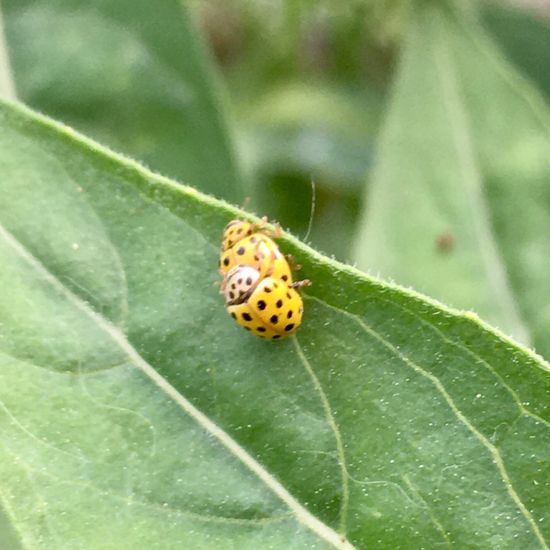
column 494, row 452
column 433, row 518
column 302, row 514
column 473, row 185
column 336, row 431
column 459, row 345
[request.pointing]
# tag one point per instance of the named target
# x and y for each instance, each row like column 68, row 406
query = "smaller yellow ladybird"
column 246, row 243
column 236, row 230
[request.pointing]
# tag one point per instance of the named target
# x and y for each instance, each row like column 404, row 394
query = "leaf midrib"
column 473, row 186
column 302, row 514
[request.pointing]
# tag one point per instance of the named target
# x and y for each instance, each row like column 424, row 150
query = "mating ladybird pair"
column 257, row 281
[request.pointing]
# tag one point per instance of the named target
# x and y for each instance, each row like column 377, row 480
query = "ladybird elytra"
column 272, row 311
column 236, row 230
column 259, row 251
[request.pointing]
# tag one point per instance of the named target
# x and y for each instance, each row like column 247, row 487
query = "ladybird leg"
column 223, row 282
column 245, row 203
column 300, row 284
column 271, row 267
column 275, row 233
column 266, row 271
column 255, row 226
column 258, row 256
column 292, row 262
column 265, row 260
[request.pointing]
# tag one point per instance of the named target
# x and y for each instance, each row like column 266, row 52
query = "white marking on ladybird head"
column 239, row 283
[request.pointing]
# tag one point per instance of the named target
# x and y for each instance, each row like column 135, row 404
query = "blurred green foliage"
column 131, row 74
column 465, row 153
column 525, row 39
column 267, row 103
column 312, row 86
column 308, row 82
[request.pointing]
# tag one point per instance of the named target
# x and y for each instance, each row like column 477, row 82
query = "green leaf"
column 322, row 213
column 297, row 134
column 459, row 205
column 525, row 39
column 134, row 75
column 135, row 414
column 316, row 129
column 7, row 87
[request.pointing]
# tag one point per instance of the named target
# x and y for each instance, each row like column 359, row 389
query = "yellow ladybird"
column 236, row 230
column 257, row 282
column 245, row 243
column 271, row 310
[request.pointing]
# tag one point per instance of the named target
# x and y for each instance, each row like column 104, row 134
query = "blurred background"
column 423, row 124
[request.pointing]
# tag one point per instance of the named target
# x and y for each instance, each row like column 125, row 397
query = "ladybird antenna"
column 246, row 203
column 312, row 210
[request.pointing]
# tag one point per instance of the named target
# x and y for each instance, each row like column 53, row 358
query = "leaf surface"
column 135, row 413
column 459, row 202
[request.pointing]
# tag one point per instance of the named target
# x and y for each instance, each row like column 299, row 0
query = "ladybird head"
column 234, row 231
column 239, row 283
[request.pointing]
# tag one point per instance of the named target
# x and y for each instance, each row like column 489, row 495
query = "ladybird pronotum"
column 257, row 282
